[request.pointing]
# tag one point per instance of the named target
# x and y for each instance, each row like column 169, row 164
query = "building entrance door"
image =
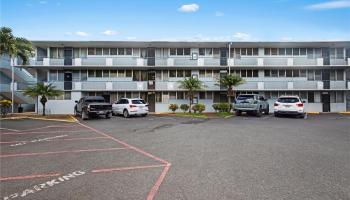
column 151, row 56
column 151, row 80
column 326, row 102
column 67, row 80
column 151, row 98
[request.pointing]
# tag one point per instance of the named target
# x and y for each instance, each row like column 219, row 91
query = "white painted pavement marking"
column 38, row 140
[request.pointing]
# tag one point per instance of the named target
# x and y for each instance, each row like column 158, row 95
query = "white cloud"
column 109, row 32
column 335, row 4
column 81, row 33
column 42, row 2
column 219, row 14
column 189, row 8
column 241, row 36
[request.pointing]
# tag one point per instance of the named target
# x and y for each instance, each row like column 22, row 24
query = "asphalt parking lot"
column 166, row 157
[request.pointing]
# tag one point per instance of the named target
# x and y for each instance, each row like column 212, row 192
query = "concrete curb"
column 72, row 120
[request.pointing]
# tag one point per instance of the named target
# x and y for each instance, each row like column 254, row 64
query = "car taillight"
column 275, row 104
column 146, row 105
column 133, row 106
column 300, row 104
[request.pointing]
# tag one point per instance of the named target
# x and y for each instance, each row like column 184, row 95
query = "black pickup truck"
column 92, row 106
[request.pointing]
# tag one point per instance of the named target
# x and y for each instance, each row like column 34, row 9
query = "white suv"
column 127, row 107
column 289, row 105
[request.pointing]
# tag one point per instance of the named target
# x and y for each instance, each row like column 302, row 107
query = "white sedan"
column 128, row 107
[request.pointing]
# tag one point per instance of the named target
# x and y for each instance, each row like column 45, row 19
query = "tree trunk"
column 43, row 101
column 229, row 91
column 43, row 109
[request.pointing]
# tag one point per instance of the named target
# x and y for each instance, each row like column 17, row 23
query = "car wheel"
column 126, row 113
column 109, row 115
column 238, row 112
column 276, row 114
column 258, row 113
column 144, row 115
column 84, row 115
column 75, row 112
column 267, row 110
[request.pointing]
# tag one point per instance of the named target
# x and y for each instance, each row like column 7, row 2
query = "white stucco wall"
column 61, row 106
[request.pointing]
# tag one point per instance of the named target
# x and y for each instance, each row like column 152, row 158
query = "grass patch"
column 224, row 114
column 194, row 115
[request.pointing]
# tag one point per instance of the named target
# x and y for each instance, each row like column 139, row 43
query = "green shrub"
column 215, row 107
column 198, row 108
column 173, row 107
column 184, row 107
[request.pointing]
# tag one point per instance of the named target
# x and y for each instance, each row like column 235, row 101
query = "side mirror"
column 76, row 101
column 304, row 101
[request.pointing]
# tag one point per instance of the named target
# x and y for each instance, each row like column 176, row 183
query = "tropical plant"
column 15, row 46
column 192, row 85
column 199, row 107
column 230, row 81
column 215, row 107
column 5, row 107
column 184, row 107
column 173, row 107
column 43, row 91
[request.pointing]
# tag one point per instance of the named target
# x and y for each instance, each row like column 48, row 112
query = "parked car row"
column 92, row 106
column 258, row 105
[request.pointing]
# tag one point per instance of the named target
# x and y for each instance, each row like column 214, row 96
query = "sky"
column 178, row 20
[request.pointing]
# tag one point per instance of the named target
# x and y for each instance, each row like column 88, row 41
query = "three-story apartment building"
column 319, row 72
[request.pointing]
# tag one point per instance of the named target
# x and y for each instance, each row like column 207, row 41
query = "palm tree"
column 14, row 47
column 192, row 85
column 43, row 91
column 230, row 81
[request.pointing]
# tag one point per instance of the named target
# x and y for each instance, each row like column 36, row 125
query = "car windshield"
column 95, row 100
column 139, row 101
column 245, row 97
column 288, row 100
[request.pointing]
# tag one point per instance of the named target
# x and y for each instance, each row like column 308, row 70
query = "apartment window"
column 208, row 51
column 302, row 51
column 172, row 73
column 243, row 51
column 216, row 52
column 244, row 73
column 128, row 51
column 209, row 73
column 53, row 75
column 98, row 73
column 310, row 75
column 144, row 75
column 339, row 97
column 332, row 75
column 274, row 51
column 60, row 75
column 289, row 73
column 187, row 51
column 158, row 75
column 340, row 75
column 172, row 51
column 310, row 53
column 67, row 95
column 318, row 52
column 249, row 73
column 136, row 75
column 209, row 95
column 332, row 97
column 201, row 73
column 282, row 73
column 201, row 95
column 216, row 74
column 105, row 73
column 255, row 51
column 303, row 73
column 114, row 51
column 303, row 95
column 165, row 75
column 295, row 51
column 53, row 52
column 310, row 97
column 201, row 51
column 237, row 52
column 121, row 51
column 83, row 52
column 180, row 73
column 274, row 73
column 180, row 51
column 83, row 75
column 187, row 73
column 60, row 53
column 296, row 73
column 128, row 73
column 289, row 51
column 249, row 51
column 172, row 95
column 180, row 95
column 91, row 51
column 76, row 75
column 76, row 53
column 340, row 53
column 121, row 73
column 114, row 73
column 158, row 97
column 267, row 51
column 99, row 51
column 318, row 74
column 127, row 94
column 281, row 51
column 105, row 51
column 255, row 73
column 267, row 73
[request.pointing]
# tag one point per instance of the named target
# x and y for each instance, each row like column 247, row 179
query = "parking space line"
column 56, row 140
column 28, row 177
column 126, row 168
column 9, row 129
column 60, row 152
column 159, row 181
column 23, row 133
